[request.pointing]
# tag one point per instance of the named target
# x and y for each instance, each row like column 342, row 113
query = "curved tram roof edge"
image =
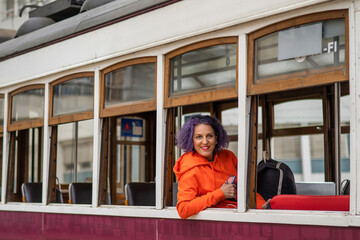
column 107, row 14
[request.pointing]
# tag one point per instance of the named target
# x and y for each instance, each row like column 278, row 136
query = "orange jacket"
column 200, row 181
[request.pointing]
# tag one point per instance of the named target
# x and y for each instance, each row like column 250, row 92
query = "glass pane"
column 345, row 110
column 75, row 152
column 345, row 156
column 1, row 112
column 27, row 105
column 299, row 113
column 131, row 83
column 292, row 50
column 130, row 167
column 35, row 155
column 73, row 96
column 210, row 67
column 303, row 154
column 229, row 120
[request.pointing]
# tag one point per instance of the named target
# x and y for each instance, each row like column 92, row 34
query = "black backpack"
column 274, row 178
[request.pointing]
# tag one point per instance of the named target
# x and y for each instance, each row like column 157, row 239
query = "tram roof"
column 107, row 14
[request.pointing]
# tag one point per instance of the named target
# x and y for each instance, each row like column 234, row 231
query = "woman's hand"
column 229, row 190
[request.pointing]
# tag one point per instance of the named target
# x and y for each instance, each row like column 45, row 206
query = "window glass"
column 27, row 105
column 229, row 120
column 345, row 137
column 75, row 152
column 345, row 110
column 205, row 68
column 303, row 154
column 301, row 48
column 299, row 113
column 131, row 83
column 73, row 96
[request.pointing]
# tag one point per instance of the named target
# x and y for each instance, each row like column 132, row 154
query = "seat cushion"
column 311, row 202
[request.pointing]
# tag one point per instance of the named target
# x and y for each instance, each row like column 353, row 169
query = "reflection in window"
column 229, row 120
column 345, row 137
column 298, row 113
column 75, row 152
column 284, row 52
column 27, row 105
column 210, row 67
column 131, row 83
column 303, row 154
column 73, row 96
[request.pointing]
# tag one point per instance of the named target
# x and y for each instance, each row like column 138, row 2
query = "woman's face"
column 204, row 140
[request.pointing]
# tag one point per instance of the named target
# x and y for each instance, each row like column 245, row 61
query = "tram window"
column 72, row 98
column 300, row 113
column 128, row 87
column 229, row 118
column 128, row 156
column 75, row 152
column 26, row 107
column 79, row 92
column 226, row 112
column 201, row 72
column 130, row 83
column 25, row 149
column 203, row 68
column 25, row 163
column 128, row 107
column 296, row 53
column 71, row 147
column 345, row 137
column 303, row 154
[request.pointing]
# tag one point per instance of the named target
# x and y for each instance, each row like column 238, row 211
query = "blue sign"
column 131, row 127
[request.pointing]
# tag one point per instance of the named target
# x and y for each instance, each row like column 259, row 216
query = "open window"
column 298, row 83
column 127, row 108
column 200, row 79
column 71, row 147
column 25, row 125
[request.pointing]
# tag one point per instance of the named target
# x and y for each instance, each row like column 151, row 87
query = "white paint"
column 145, row 31
column 160, row 133
column 243, row 123
column 97, row 140
column 46, row 146
column 354, row 20
column 5, row 146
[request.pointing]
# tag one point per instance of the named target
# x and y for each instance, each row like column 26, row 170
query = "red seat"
column 311, row 202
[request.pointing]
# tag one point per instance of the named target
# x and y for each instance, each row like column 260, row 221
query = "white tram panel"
column 177, row 21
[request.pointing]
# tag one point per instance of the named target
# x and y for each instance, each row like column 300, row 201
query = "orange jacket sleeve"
column 188, row 202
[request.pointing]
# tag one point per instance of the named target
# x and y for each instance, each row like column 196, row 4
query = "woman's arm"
column 189, row 203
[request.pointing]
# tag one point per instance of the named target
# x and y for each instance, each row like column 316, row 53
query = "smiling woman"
column 203, row 170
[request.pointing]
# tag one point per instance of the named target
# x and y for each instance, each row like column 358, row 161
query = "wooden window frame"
column 31, row 123
column 299, row 79
column 194, row 97
column 66, row 118
column 127, row 107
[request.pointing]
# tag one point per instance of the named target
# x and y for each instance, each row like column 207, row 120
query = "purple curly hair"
column 184, row 139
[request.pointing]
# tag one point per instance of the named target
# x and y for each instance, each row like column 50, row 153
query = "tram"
column 91, row 104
